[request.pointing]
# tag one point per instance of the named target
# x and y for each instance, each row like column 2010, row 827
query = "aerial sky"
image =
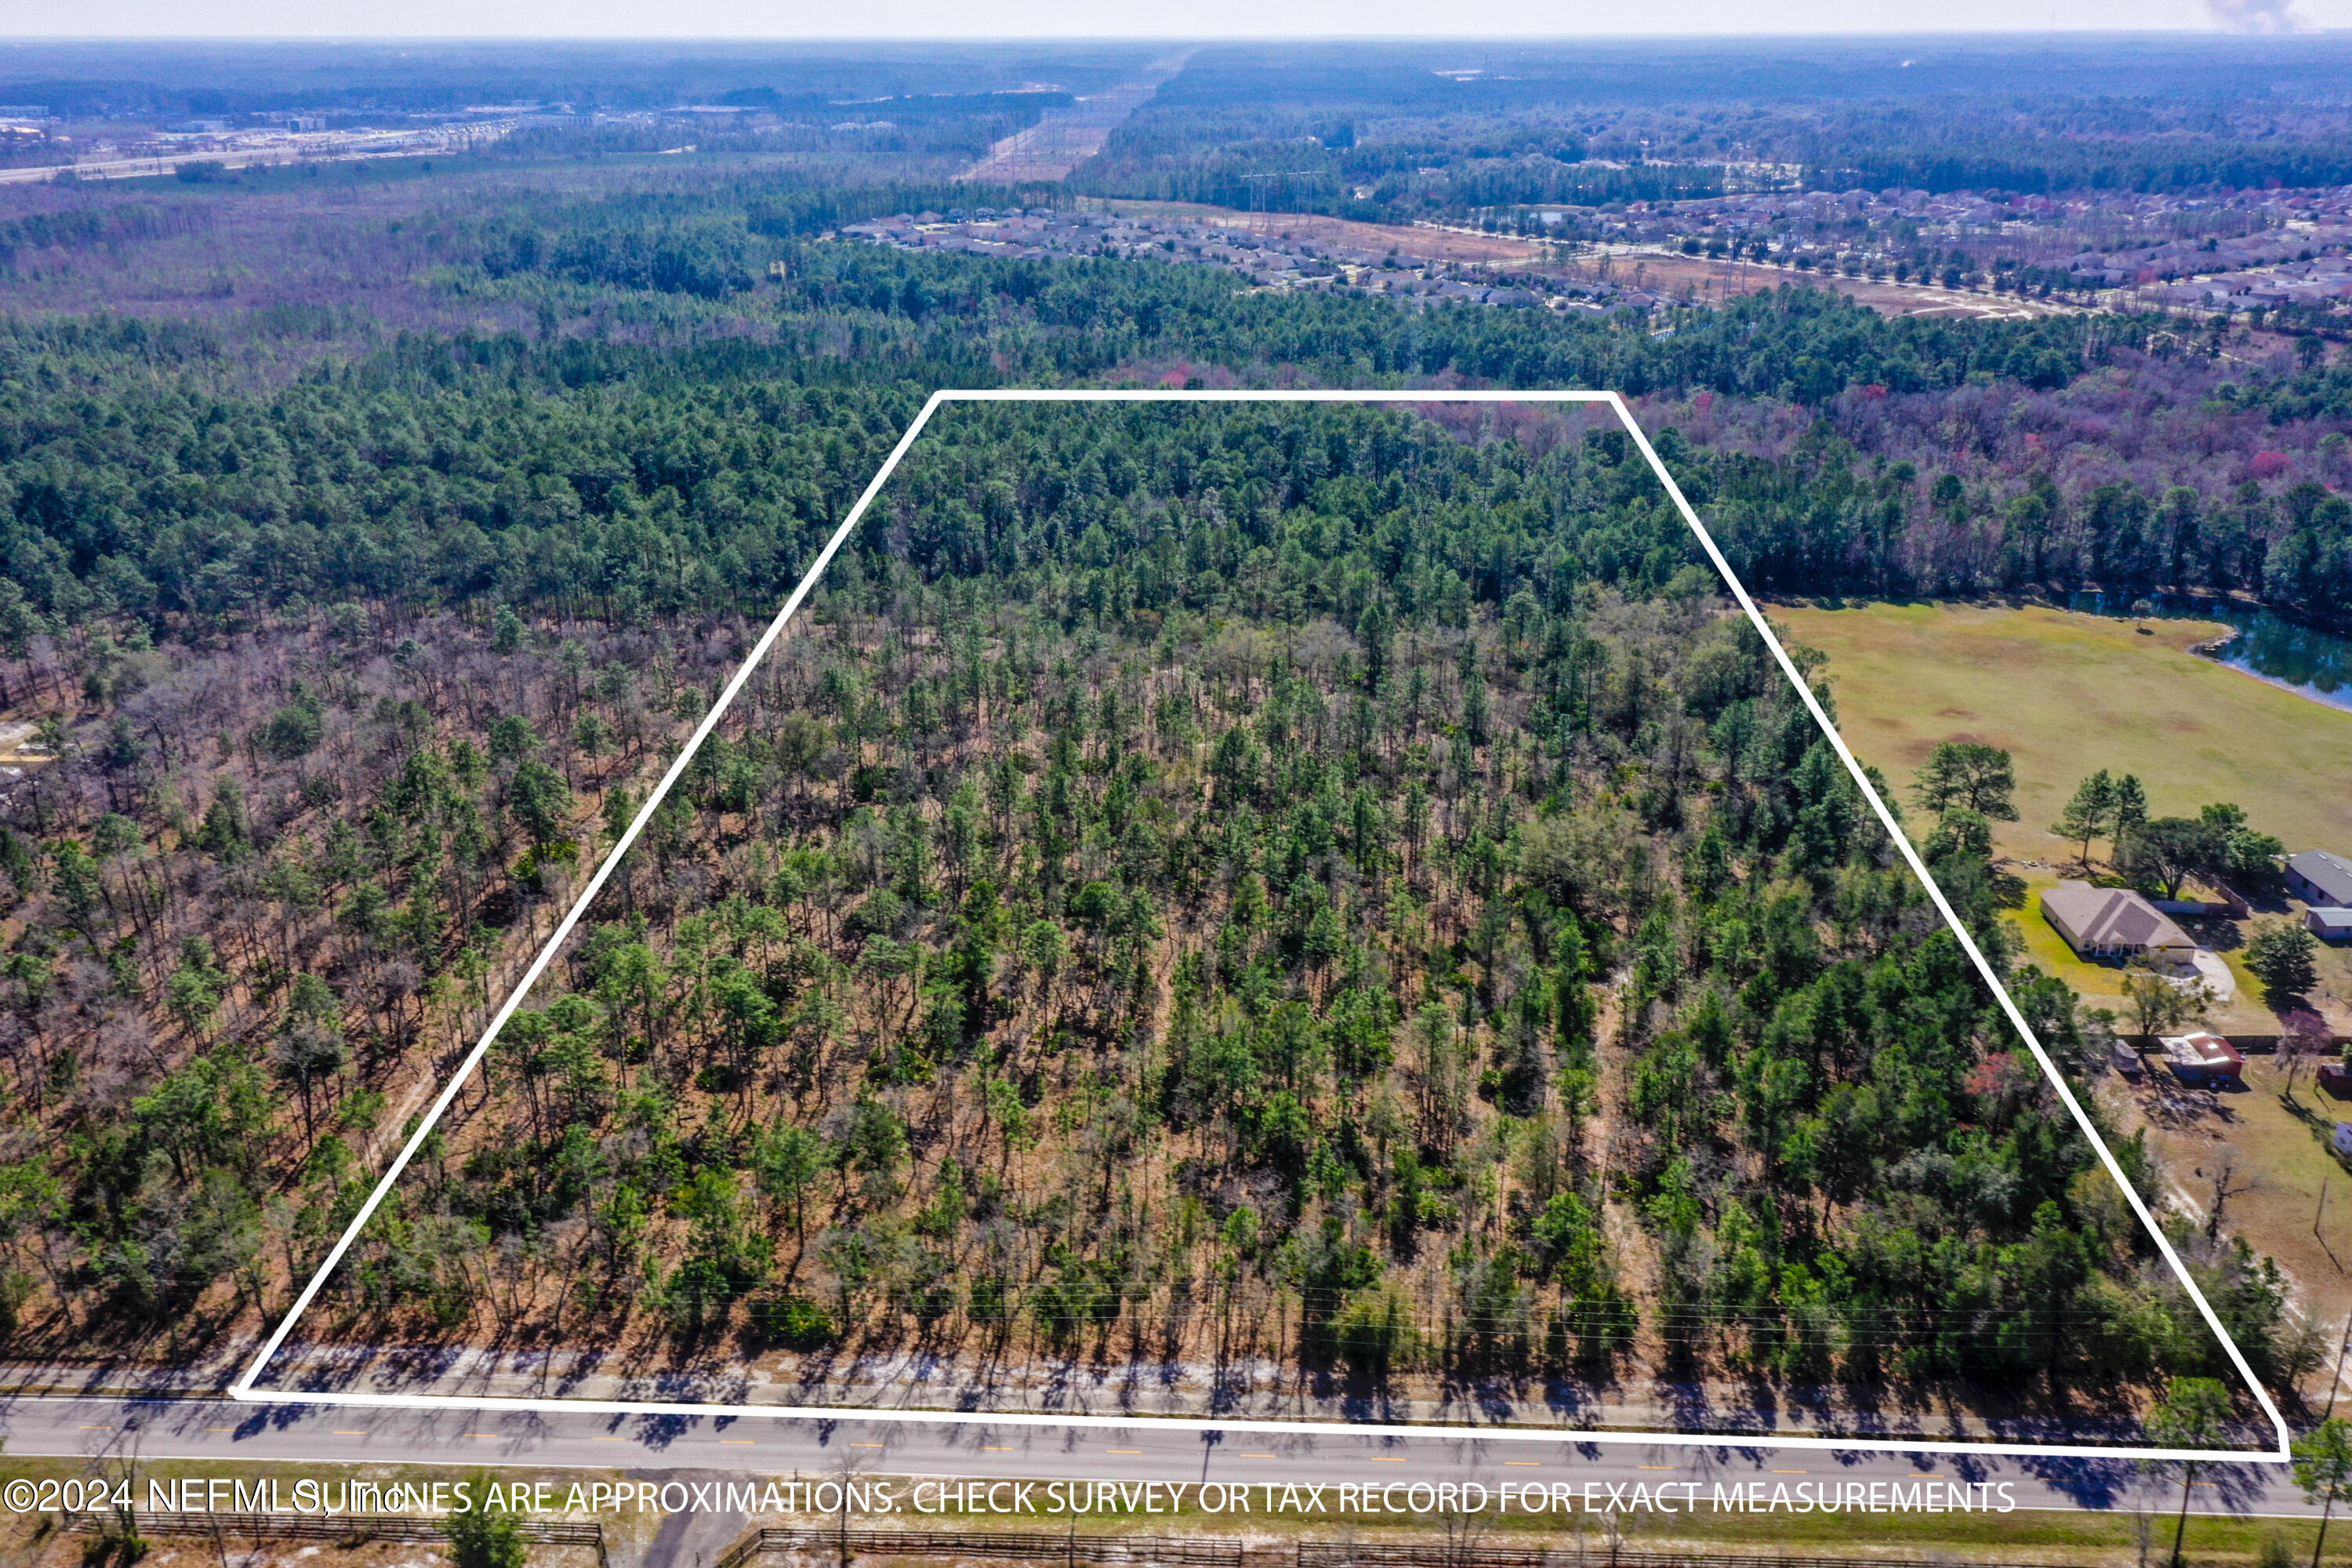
column 1129, row 18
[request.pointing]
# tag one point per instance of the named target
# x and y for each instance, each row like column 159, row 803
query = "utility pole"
column 2337, row 1381
column 1262, row 196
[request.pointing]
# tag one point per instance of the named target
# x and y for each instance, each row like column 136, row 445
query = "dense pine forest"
column 653, row 447
column 1254, row 890
column 1239, row 890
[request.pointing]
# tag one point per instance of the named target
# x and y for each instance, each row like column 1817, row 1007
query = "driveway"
column 2214, row 971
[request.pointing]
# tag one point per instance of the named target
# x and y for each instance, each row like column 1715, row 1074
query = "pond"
column 2315, row 663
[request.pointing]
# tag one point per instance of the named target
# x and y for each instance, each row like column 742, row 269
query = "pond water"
column 2315, row 663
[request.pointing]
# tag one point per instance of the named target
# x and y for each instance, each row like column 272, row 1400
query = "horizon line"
column 1000, row 35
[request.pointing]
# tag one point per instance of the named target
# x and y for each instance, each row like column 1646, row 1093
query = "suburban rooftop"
column 2331, row 874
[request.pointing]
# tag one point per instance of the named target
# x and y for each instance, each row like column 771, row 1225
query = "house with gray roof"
column 2320, row 879
column 2324, row 882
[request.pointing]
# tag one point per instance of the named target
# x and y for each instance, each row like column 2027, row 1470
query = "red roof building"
column 2203, row 1057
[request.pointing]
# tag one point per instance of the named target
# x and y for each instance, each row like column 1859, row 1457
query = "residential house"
column 2115, row 922
column 2320, row 879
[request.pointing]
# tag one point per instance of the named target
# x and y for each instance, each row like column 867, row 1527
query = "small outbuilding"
column 2336, row 1079
column 2203, row 1060
column 2328, row 923
column 2127, row 1061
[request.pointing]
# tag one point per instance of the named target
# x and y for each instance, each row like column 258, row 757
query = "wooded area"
column 1328, row 890
column 1162, row 907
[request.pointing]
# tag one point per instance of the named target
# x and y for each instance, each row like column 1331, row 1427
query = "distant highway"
column 202, row 1428
column 387, row 144
column 134, row 168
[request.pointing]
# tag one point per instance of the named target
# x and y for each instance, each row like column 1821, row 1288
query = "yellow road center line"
column 1006, row 1449
column 1790, row 1472
column 737, row 1442
column 1122, row 1450
column 865, row 1444
column 1258, row 1456
column 1529, row 1464
column 608, row 1439
column 1384, row 1459
column 338, row 1432
column 1654, row 1467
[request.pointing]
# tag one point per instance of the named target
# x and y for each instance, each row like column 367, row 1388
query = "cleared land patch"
column 2067, row 694
column 2274, row 1159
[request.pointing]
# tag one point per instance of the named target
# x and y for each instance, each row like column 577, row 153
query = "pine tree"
column 1965, row 774
column 2090, row 815
column 2131, row 807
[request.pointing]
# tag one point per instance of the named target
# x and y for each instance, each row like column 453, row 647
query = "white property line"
column 243, row 1389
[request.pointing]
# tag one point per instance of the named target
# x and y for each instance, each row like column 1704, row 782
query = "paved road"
column 133, row 168
column 388, row 144
column 221, row 1429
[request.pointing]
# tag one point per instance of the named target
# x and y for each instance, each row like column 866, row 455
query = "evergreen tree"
column 2131, row 807
column 1966, row 773
column 2189, row 1417
column 2090, row 814
column 2322, row 1469
column 2281, row 954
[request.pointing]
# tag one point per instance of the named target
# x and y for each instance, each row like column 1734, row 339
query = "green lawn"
column 2067, row 694
column 2281, row 1165
column 2098, row 983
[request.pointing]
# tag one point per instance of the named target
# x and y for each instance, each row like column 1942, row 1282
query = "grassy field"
column 2276, row 1161
column 2101, row 984
column 2067, row 694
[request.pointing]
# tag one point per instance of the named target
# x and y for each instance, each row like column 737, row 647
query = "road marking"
column 1006, row 1449
column 1529, row 1464
column 865, row 1444
column 220, row 1428
column 338, row 1432
column 1384, row 1459
column 88, row 1428
column 477, row 1434
column 1789, row 1472
column 1654, row 1467
column 739, row 1442
column 1122, row 1450
column 608, row 1439
column 1259, row 1455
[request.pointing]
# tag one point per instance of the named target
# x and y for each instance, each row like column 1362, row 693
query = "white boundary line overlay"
column 243, row 1389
